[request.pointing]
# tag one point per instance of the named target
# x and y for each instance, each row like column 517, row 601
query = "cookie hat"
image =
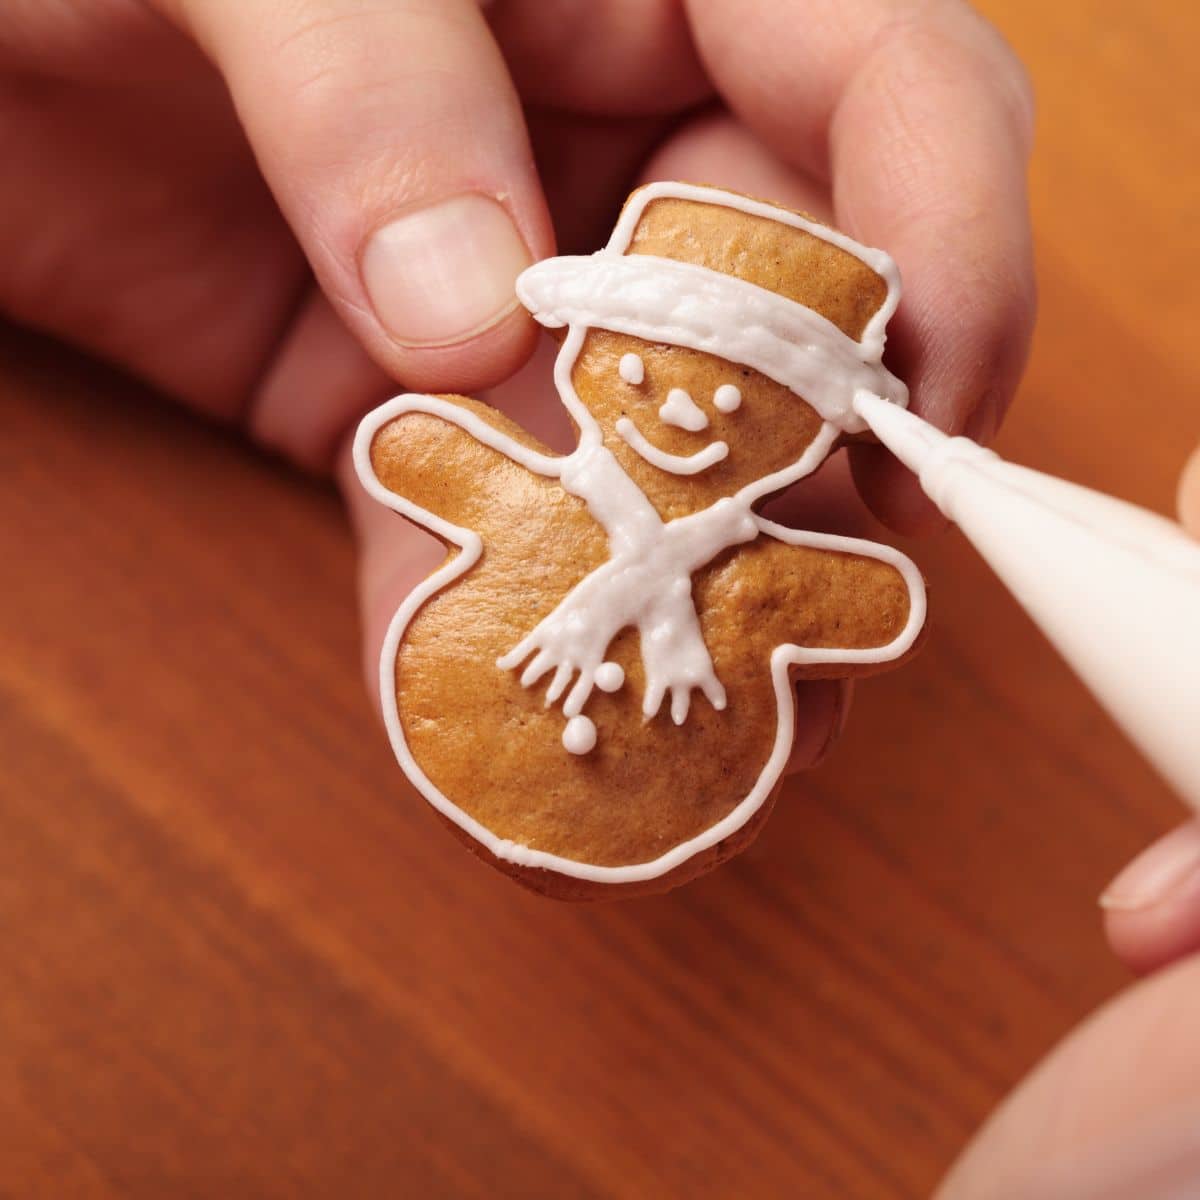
column 745, row 295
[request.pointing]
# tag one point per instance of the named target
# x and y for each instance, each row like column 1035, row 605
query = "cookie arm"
column 841, row 600
column 445, row 463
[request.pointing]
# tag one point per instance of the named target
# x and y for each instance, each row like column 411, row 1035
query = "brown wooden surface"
column 239, row 961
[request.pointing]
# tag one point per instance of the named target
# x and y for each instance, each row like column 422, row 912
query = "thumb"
column 1152, row 908
column 394, row 143
column 1110, row 1114
column 1189, row 495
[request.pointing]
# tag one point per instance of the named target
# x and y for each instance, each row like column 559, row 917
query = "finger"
column 394, row 144
column 318, row 383
column 602, row 84
column 921, row 118
column 618, row 58
column 98, row 43
column 721, row 150
column 587, row 167
column 1111, row 1114
column 109, row 239
column 1152, row 908
column 1189, row 495
column 822, row 709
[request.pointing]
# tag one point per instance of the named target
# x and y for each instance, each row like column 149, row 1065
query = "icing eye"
column 630, row 369
column 727, row 398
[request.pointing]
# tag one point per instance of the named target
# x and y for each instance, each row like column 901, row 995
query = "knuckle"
column 948, row 39
column 1011, row 80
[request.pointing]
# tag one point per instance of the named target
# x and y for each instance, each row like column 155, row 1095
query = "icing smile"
column 677, row 464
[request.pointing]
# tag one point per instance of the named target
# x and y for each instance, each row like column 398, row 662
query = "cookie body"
column 595, row 690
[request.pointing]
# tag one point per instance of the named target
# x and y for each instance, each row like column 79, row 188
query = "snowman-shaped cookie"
column 595, row 688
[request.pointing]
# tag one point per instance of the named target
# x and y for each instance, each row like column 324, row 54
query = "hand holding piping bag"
column 1112, row 1113
column 1153, row 906
column 1114, row 587
column 1058, row 547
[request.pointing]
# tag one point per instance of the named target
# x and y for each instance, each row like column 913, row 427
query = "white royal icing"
column 680, row 410
column 610, row 677
column 727, row 398
column 579, row 736
column 684, row 304
column 646, row 582
column 631, row 369
column 676, row 464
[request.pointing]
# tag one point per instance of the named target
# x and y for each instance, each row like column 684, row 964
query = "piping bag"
column 1115, row 588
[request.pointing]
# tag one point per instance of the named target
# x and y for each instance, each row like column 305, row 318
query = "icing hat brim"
column 682, row 304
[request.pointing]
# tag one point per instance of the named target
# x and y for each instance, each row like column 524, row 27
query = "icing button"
column 579, row 736
column 610, row 677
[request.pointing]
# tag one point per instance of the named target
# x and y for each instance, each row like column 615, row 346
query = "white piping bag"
column 1116, row 588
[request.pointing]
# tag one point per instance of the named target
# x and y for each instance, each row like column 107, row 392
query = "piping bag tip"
column 937, row 459
column 910, row 439
column 1114, row 587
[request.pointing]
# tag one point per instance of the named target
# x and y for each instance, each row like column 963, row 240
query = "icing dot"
column 630, row 369
column 727, row 398
column 609, row 677
column 579, row 736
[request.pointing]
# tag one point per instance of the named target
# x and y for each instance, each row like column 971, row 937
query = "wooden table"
column 241, row 960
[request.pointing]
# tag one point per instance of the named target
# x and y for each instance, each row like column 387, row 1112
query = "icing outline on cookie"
column 634, row 528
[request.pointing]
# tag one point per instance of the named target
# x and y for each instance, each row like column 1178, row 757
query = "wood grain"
column 239, row 960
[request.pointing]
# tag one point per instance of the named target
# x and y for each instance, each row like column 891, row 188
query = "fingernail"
column 438, row 274
column 1157, row 873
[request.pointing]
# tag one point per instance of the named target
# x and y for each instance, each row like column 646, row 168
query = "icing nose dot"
column 681, row 410
column 727, row 398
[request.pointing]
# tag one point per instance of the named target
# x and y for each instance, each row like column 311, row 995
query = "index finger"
column 920, row 116
column 396, row 148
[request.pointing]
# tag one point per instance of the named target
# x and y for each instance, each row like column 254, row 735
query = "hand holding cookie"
column 291, row 207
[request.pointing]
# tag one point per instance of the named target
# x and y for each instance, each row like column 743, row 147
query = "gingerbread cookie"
column 595, row 688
